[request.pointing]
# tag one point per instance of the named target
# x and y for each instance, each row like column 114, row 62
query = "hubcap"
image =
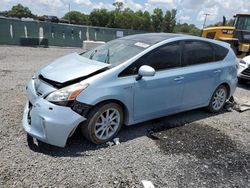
column 107, row 124
column 219, row 99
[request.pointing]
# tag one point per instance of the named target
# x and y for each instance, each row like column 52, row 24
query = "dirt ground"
column 191, row 149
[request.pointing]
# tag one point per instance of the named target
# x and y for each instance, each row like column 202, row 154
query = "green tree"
column 169, row 21
column 187, row 29
column 147, row 22
column 118, row 6
column 100, row 17
column 20, row 11
column 157, row 19
column 76, row 17
column 142, row 21
column 124, row 19
column 229, row 22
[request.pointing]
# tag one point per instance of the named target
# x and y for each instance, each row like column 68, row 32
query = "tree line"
column 120, row 17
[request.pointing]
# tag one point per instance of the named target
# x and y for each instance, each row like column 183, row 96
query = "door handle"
column 217, row 71
column 179, row 78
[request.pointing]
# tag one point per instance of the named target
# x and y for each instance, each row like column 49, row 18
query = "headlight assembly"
column 68, row 93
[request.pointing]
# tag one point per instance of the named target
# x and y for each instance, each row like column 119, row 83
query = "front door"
column 162, row 93
column 158, row 95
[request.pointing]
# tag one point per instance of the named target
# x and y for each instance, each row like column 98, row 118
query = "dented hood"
column 71, row 67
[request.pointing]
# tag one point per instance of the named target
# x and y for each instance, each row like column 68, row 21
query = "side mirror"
column 145, row 70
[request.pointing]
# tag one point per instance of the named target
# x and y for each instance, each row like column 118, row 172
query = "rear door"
column 201, row 73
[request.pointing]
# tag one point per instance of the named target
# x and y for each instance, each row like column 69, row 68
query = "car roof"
column 152, row 38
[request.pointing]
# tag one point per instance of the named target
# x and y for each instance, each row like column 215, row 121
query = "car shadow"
column 78, row 146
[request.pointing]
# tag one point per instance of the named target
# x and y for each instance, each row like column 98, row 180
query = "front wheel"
column 103, row 123
column 218, row 99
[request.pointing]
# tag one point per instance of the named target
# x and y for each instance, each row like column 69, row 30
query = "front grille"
column 246, row 72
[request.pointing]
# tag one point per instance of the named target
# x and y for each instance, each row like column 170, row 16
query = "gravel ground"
column 192, row 149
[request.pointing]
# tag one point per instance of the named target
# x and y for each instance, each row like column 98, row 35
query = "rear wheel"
column 103, row 123
column 218, row 99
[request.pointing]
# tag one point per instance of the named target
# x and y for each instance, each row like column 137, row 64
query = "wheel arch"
column 228, row 88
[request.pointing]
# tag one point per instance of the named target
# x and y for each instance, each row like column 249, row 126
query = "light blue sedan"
column 127, row 81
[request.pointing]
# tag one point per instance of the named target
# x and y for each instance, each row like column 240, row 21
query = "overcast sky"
column 190, row 11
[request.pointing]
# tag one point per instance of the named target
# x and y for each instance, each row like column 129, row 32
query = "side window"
column 198, row 52
column 219, row 52
column 164, row 57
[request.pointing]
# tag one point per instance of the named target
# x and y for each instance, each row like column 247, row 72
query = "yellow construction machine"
column 238, row 35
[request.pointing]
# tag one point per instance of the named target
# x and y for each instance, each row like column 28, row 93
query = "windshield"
column 243, row 23
column 116, row 51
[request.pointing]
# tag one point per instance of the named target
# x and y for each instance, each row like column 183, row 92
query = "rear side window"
column 198, row 52
column 164, row 57
column 219, row 52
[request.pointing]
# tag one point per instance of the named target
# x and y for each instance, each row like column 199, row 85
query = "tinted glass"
column 219, row 52
column 164, row 57
column 196, row 52
column 243, row 23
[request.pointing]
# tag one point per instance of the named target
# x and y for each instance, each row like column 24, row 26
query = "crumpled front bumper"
column 48, row 122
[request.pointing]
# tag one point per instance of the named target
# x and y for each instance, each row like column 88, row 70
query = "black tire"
column 241, row 81
column 88, row 128
column 211, row 107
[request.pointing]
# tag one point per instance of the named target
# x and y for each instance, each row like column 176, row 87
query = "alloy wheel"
column 219, row 99
column 107, row 124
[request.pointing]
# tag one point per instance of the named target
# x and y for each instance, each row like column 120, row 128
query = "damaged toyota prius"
column 127, row 81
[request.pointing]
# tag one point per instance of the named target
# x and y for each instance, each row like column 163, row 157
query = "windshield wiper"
column 92, row 54
column 107, row 60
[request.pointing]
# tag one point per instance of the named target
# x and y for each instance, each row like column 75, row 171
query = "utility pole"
column 69, row 11
column 206, row 14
